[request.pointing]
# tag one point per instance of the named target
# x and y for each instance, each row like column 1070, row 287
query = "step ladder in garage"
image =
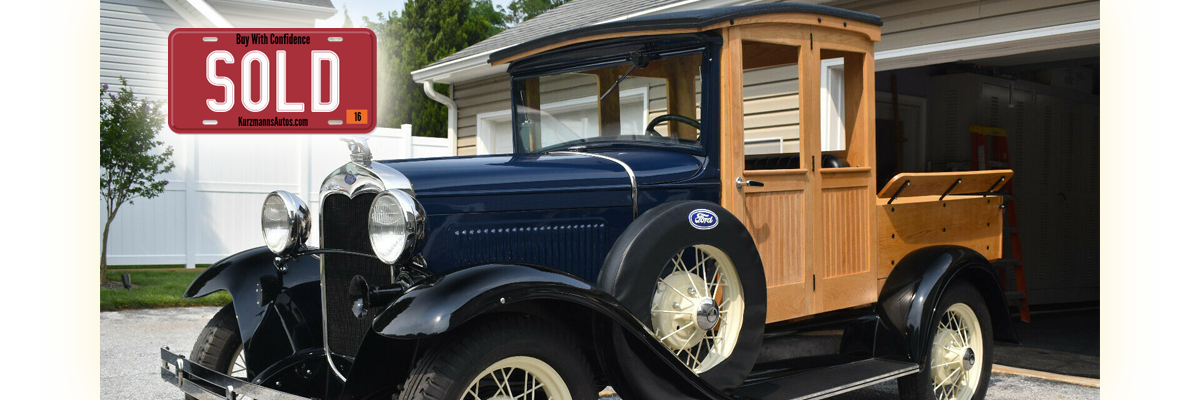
column 1021, row 295
column 990, row 146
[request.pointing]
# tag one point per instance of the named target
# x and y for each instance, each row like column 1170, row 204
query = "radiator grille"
column 344, row 227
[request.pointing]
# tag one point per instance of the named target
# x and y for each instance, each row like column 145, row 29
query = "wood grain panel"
column 912, row 223
column 788, row 301
column 846, row 231
column 775, row 220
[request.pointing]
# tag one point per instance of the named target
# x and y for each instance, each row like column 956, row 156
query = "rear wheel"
column 505, row 358
column 219, row 345
column 958, row 362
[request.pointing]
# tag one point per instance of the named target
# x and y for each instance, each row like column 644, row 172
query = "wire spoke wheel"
column 237, row 368
column 957, row 347
column 698, row 307
column 518, row 378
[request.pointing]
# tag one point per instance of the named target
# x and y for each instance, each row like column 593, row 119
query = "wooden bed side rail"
column 910, row 184
column 912, row 223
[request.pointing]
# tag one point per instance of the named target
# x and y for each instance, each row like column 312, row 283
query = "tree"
column 522, row 10
column 426, row 31
column 129, row 161
column 347, row 23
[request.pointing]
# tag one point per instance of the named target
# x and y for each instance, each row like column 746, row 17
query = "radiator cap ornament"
column 360, row 153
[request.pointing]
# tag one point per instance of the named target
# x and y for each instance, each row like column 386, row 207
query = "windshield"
column 650, row 99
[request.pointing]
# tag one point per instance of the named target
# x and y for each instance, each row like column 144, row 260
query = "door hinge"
column 814, row 280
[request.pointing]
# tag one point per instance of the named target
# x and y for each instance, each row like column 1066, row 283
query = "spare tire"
column 690, row 272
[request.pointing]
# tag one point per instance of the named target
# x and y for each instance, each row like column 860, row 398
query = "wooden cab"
column 826, row 239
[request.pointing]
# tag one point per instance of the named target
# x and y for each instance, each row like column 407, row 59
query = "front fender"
column 440, row 304
column 909, row 296
column 273, row 308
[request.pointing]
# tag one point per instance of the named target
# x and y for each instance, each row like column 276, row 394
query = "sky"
column 368, row 8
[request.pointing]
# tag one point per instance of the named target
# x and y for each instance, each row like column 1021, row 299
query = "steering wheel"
column 670, row 117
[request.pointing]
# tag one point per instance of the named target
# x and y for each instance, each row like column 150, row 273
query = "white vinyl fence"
column 211, row 206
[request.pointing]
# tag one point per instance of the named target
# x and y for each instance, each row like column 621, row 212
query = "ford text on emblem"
column 702, row 219
column 350, row 179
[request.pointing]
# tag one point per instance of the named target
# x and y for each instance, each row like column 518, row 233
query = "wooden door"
column 779, row 213
column 845, row 222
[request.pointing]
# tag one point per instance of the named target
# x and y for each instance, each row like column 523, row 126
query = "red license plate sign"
column 271, row 80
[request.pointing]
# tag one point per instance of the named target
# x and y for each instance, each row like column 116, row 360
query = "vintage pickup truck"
column 664, row 253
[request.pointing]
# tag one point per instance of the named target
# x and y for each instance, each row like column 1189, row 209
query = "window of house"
column 494, row 129
column 833, row 104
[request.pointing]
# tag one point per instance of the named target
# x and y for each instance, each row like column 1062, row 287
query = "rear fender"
column 440, row 304
column 909, row 296
column 273, row 308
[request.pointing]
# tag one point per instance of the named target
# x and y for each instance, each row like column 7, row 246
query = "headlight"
column 285, row 222
column 395, row 225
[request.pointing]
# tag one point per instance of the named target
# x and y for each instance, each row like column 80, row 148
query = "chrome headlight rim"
column 298, row 223
column 405, row 233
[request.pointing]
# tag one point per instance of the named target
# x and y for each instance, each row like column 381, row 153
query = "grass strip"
column 157, row 289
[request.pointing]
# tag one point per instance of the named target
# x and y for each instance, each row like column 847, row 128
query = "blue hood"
column 539, row 181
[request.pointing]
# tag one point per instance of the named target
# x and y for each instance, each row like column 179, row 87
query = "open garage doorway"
column 1041, row 110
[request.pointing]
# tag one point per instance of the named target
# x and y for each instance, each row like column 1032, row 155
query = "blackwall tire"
column 956, row 362
column 219, row 345
column 466, row 364
column 634, row 273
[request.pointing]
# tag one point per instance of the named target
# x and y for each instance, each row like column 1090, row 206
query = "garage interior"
column 1037, row 113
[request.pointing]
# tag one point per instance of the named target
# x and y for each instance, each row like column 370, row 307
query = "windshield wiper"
column 639, row 61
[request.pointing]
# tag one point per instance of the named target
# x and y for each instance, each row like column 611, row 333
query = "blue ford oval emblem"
column 702, row 219
column 350, row 179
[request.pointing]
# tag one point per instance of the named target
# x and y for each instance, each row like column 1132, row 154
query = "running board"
column 826, row 382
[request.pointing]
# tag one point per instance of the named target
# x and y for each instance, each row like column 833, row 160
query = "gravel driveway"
column 129, row 342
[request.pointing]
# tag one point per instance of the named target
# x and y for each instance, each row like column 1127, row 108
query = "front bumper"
column 206, row 384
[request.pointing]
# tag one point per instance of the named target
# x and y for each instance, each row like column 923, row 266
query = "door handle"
column 741, row 181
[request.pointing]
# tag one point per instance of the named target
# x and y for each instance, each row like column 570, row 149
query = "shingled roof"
column 568, row 16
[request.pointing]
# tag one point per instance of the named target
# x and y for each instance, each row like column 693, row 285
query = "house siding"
column 917, row 22
column 133, row 39
column 133, row 44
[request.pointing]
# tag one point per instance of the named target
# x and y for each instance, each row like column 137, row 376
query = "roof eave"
column 316, row 12
column 460, row 70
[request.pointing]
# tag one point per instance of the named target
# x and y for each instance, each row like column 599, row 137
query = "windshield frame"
column 615, row 52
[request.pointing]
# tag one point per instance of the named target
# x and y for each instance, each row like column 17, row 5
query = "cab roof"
column 676, row 21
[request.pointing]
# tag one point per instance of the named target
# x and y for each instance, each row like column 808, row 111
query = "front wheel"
column 511, row 357
column 219, row 345
column 958, row 362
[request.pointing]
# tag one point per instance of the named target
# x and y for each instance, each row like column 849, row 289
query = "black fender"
column 912, row 290
column 439, row 304
column 278, row 313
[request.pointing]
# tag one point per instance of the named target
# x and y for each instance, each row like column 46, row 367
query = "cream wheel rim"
column 955, row 362
column 518, row 378
column 698, row 307
column 237, row 367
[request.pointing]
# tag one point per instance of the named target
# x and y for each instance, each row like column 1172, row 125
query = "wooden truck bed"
column 916, row 210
